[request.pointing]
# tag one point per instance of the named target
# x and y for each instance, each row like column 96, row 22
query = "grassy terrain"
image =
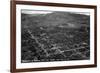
column 58, row 36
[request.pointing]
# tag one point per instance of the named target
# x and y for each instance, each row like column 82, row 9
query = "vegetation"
column 58, row 36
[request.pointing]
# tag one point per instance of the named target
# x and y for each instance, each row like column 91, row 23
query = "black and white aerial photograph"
column 48, row 36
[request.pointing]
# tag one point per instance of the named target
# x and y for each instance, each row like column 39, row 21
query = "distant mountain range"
column 59, row 19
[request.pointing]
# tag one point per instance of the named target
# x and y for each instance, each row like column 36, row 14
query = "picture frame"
column 72, row 16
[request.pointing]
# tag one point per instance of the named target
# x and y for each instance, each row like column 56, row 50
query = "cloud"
column 35, row 12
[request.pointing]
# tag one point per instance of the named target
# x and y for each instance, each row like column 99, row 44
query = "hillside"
column 57, row 19
column 57, row 36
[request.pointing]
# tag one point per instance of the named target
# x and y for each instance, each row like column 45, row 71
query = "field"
column 57, row 36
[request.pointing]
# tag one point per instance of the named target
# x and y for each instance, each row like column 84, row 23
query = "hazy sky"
column 35, row 12
column 47, row 12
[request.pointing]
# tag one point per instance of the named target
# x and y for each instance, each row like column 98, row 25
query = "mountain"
column 58, row 19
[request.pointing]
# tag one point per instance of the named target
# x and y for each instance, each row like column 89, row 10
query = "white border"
column 20, row 65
